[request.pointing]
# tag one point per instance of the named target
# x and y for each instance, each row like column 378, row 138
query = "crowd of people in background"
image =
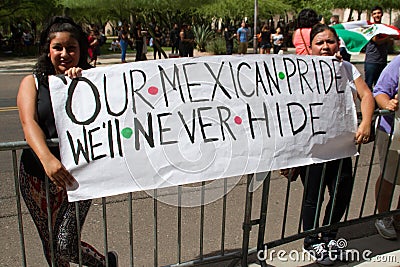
column 139, row 38
column 21, row 41
column 180, row 37
column 272, row 37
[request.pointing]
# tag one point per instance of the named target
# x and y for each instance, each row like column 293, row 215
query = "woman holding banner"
column 325, row 42
column 64, row 51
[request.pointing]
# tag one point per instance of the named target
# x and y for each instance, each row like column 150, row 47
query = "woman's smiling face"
column 324, row 44
column 64, row 52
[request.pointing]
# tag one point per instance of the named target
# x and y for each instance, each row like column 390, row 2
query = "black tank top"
column 31, row 162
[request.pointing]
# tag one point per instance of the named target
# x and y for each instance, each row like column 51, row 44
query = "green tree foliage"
column 13, row 12
column 217, row 46
column 365, row 5
column 165, row 12
column 168, row 12
column 238, row 9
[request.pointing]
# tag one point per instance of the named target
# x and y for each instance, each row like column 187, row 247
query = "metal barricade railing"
column 283, row 239
column 16, row 146
column 239, row 254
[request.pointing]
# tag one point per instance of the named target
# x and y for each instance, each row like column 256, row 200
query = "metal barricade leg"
column 49, row 222
column 263, row 216
column 19, row 209
column 247, row 220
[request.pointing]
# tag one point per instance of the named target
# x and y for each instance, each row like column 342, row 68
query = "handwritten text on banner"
column 154, row 124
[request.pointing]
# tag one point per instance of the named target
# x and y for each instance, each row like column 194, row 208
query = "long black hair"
column 43, row 66
column 307, row 18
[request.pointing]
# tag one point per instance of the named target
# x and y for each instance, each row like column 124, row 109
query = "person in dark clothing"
column 229, row 36
column 190, row 41
column 137, row 34
column 338, row 176
column 174, row 39
column 376, row 51
column 265, row 44
column 42, row 175
column 157, row 43
column 182, row 41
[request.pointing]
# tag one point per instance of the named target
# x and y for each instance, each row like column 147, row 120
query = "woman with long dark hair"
column 306, row 19
column 64, row 48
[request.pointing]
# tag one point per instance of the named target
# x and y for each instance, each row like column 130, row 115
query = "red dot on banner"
column 238, row 120
column 153, row 90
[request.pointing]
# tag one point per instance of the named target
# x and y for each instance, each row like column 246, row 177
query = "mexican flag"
column 356, row 34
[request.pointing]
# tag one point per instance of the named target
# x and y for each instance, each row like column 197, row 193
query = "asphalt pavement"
column 23, row 64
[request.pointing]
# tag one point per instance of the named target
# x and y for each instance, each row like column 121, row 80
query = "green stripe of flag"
column 354, row 41
column 338, row 27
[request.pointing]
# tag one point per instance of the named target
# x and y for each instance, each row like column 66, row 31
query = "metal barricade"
column 256, row 195
column 357, row 217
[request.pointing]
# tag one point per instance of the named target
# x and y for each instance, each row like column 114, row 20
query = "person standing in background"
column 93, row 44
column 243, row 38
column 277, row 39
column 174, row 39
column 137, row 34
column 157, row 43
column 186, row 45
column 182, row 41
column 376, row 51
column 123, row 44
column 28, row 41
column 265, row 44
column 144, row 42
column 190, row 41
column 229, row 36
column 306, row 19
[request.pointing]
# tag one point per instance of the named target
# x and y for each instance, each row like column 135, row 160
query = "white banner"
column 155, row 124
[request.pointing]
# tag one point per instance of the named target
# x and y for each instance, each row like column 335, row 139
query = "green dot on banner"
column 127, row 132
column 281, row 75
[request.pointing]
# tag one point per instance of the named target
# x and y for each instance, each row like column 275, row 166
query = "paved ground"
column 11, row 65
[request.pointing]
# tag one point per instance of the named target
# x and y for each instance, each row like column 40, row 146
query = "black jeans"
column 139, row 50
column 342, row 198
column 229, row 48
column 372, row 72
column 175, row 47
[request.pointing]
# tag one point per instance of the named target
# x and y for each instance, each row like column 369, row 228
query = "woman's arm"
column 94, row 42
column 367, row 110
column 386, row 88
column 26, row 101
column 384, row 102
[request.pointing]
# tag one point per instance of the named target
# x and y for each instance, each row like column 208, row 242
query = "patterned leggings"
column 65, row 237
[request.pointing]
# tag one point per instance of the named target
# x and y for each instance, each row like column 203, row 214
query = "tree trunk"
column 350, row 14
column 359, row 14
